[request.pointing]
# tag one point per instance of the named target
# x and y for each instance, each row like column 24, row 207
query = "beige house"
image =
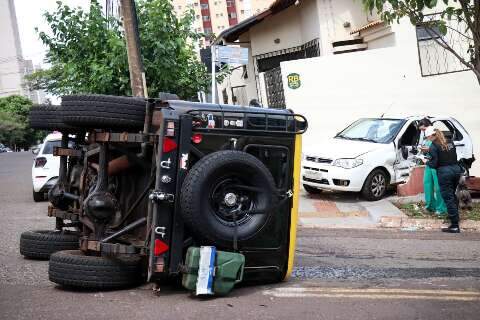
column 296, row 29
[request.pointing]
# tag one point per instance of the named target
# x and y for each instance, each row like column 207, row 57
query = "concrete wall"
column 338, row 89
column 284, row 26
column 332, row 16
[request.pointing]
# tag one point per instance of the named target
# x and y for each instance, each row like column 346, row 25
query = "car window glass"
column 448, row 130
column 410, row 136
column 375, row 130
column 48, row 148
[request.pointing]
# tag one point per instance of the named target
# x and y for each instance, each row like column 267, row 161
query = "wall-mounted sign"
column 232, row 55
column 293, row 80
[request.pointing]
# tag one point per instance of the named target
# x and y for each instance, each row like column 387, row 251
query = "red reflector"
column 197, row 138
column 160, row 247
column 169, row 145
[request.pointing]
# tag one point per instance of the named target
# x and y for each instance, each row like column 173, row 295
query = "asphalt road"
column 339, row 274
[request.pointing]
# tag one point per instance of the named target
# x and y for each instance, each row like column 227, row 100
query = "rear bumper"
column 43, row 184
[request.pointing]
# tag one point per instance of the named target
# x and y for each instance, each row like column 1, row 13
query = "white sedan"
column 45, row 167
column 371, row 154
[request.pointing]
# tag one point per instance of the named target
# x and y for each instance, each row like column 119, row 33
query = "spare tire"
column 72, row 268
column 40, row 244
column 104, row 112
column 224, row 191
column 48, row 117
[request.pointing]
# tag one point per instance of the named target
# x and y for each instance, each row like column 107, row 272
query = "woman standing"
column 444, row 159
column 433, row 198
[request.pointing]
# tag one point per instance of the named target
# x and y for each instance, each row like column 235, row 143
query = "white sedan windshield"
column 372, row 130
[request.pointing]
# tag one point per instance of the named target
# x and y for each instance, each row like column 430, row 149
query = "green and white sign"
column 293, row 80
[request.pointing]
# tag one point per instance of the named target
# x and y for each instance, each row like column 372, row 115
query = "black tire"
column 74, row 269
column 312, row 190
column 40, row 244
column 375, row 186
column 204, row 192
column 38, row 196
column 104, row 112
column 48, row 117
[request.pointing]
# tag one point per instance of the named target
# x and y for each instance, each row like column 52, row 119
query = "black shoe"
column 452, row 229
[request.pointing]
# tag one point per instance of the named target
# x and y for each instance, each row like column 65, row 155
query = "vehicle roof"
column 53, row 136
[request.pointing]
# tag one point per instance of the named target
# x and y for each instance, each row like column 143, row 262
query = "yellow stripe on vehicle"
column 297, row 160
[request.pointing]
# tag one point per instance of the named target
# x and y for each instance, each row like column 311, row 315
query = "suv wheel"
column 40, row 244
column 104, row 112
column 226, row 193
column 72, row 268
column 375, row 185
column 48, row 117
column 312, row 190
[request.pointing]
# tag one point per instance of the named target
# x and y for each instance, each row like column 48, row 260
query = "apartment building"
column 214, row 16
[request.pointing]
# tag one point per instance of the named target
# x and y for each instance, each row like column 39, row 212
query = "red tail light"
column 40, row 162
column 169, row 145
column 197, row 138
column 160, row 247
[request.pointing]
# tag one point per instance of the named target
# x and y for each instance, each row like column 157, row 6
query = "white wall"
column 336, row 90
column 284, row 26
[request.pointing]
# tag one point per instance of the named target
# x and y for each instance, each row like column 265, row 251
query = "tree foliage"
column 467, row 11
column 87, row 52
column 14, row 130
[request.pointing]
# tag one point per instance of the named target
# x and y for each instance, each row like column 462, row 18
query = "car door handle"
column 460, row 144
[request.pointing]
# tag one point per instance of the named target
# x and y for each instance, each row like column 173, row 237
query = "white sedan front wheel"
column 375, row 185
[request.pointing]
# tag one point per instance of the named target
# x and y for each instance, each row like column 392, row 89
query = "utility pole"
column 132, row 38
column 214, row 80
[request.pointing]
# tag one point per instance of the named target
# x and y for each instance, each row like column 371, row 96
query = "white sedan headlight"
column 347, row 163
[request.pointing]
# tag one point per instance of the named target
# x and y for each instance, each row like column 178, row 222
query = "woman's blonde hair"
column 440, row 139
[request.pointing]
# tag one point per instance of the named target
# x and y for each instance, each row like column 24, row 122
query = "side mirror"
column 35, row 150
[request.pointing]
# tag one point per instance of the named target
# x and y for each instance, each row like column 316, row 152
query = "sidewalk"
column 349, row 210
column 343, row 210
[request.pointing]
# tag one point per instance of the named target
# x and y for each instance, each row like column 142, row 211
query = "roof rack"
column 232, row 120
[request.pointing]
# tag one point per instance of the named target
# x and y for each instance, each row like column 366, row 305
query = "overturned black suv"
column 147, row 179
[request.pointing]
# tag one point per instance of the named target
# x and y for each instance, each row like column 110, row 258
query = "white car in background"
column 45, row 167
column 374, row 153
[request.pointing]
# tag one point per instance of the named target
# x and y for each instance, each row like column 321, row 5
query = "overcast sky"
column 29, row 16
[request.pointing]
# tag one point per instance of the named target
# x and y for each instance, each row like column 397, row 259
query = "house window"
column 207, row 30
column 430, row 33
column 204, row 5
column 179, row 7
column 218, row 15
column 206, row 18
column 232, row 15
column 198, row 17
column 196, row 4
column 242, row 11
column 230, row 3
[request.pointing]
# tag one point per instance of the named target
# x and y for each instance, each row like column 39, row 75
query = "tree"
column 14, row 129
column 462, row 11
column 87, row 53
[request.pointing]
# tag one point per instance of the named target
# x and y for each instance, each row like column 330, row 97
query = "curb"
column 424, row 224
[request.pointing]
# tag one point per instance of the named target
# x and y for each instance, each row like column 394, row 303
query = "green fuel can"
column 228, row 270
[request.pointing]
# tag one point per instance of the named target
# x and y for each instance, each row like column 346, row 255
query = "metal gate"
column 269, row 63
column 274, row 88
